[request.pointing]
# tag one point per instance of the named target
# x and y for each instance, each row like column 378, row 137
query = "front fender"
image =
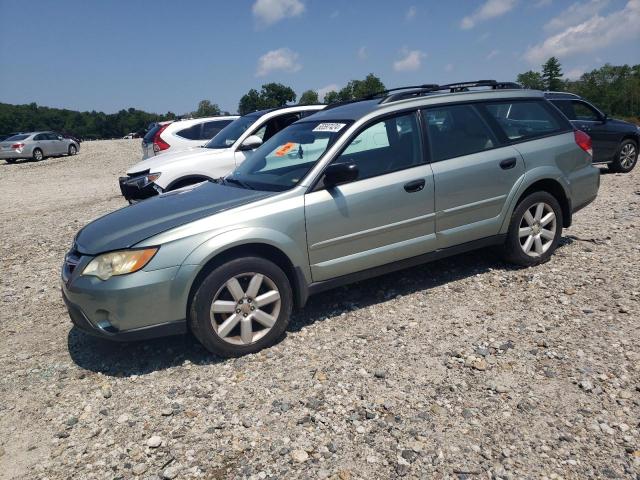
column 224, row 241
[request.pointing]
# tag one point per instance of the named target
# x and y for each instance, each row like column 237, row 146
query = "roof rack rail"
column 402, row 93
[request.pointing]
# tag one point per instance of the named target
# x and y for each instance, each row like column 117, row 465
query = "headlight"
column 119, row 263
column 150, row 178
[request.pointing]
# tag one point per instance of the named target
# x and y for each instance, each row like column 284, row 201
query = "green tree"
column 271, row 95
column 309, row 97
column 552, row 74
column 331, row 97
column 206, row 109
column 531, row 80
column 361, row 88
column 250, row 102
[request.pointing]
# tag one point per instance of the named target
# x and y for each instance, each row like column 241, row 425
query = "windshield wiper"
column 237, row 182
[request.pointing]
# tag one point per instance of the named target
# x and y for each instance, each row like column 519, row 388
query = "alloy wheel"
column 245, row 308
column 537, row 229
column 628, row 155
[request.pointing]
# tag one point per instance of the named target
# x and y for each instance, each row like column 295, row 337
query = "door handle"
column 414, row 185
column 508, row 163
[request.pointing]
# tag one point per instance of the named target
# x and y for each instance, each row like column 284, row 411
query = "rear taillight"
column 158, row 143
column 17, row 146
column 583, row 141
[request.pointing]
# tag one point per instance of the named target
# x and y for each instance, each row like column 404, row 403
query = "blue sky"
column 167, row 55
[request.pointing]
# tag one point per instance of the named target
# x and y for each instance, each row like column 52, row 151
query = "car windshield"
column 18, row 137
column 232, row 132
column 283, row 160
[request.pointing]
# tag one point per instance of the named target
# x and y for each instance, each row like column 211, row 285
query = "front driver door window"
column 385, row 215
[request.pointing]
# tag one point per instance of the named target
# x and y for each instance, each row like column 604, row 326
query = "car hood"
column 622, row 123
column 154, row 164
column 135, row 223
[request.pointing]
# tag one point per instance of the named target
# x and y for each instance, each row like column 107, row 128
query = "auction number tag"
column 329, row 127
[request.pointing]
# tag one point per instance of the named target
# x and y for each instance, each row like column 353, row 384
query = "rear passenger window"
column 455, row 131
column 191, row 133
column 524, row 119
column 387, row 146
column 211, row 129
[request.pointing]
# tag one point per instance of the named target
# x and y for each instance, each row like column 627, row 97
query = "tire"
column 535, row 246
column 247, row 320
column 37, row 155
column 11, row 160
column 626, row 157
column 72, row 150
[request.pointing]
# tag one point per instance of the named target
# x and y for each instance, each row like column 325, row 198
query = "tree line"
column 614, row 89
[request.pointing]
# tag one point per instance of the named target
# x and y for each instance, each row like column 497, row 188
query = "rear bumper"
column 14, row 154
column 135, row 189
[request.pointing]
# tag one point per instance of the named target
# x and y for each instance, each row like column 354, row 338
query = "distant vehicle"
column 615, row 142
column 174, row 136
column 130, row 136
column 37, row 146
column 219, row 156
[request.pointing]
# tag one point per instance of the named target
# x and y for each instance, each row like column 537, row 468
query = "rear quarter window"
column 526, row 119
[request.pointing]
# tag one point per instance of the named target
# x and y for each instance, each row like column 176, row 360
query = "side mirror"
column 339, row 173
column 250, row 143
column 605, row 117
column 59, row 137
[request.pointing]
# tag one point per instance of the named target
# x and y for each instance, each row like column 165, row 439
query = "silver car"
column 37, row 146
column 354, row 191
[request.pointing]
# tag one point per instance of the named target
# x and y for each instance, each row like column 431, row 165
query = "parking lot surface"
column 463, row 368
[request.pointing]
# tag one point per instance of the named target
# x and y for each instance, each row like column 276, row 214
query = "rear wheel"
column 72, row 150
column 626, row 157
column 241, row 307
column 37, row 154
column 11, row 160
column 534, row 230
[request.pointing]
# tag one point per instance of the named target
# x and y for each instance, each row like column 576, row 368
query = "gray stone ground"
column 464, row 368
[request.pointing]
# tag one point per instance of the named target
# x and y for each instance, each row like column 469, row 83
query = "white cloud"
column 411, row 60
column 332, row 87
column 576, row 13
column 411, row 13
column 490, row 9
column 574, row 73
column 592, row 34
column 271, row 11
column 362, row 53
column 492, row 54
column 449, row 67
column 282, row 59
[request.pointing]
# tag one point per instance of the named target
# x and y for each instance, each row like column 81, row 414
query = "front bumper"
column 140, row 305
column 136, row 188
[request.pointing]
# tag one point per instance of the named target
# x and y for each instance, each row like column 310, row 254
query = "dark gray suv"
column 615, row 142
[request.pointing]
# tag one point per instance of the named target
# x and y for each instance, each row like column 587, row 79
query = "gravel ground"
column 464, row 368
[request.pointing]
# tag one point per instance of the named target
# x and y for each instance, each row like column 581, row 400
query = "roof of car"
column 420, row 95
column 559, row 95
column 259, row 113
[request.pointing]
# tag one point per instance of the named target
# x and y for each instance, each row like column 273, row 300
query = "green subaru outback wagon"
column 359, row 189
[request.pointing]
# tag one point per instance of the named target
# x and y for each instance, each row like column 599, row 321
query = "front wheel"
column 72, row 150
column 626, row 157
column 241, row 307
column 534, row 230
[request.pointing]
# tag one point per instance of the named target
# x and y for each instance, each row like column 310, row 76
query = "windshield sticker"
column 284, row 149
column 329, row 127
